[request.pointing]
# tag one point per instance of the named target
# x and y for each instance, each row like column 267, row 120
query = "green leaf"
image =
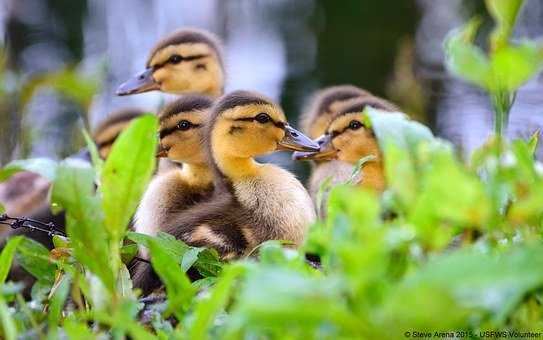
column 399, row 139
column 56, row 304
column 78, row 330
column 74, row 191
column 178, row 286
column 2, row 209
column 464, row 59
column 512, row 66
column 124, row 283
column 533, row 142
column 207, row 308
column 97, row 162
column 34, row 258
column 127, row 171
column 9, row 329
column 41, row 166
column 504, row 13
column 6, row 257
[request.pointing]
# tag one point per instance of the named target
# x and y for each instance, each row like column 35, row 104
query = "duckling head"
column 245, row 124
column 181, row 124
column 348, row 137
column 324, row 105
column 188, row 60
column 107, row 131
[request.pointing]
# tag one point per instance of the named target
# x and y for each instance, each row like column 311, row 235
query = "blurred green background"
column 63, row 60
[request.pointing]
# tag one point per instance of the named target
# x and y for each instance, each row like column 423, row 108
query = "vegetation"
column 452, row 246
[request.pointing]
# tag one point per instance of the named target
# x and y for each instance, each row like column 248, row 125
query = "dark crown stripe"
column 187, row 36
column 186, row 103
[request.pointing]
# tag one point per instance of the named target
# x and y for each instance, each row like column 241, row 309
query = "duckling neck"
column 373, row 176
column 197, row 174
column 237, row 168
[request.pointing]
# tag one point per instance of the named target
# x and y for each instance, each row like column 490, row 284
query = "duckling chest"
column 278, row 203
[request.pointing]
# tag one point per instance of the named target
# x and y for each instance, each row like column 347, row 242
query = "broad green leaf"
column 78, row 330
column 41, row 166
column 493, row 282
column 512, row 66
column 178, row 287
column 6, row 257
column 74, row 191
column 504, row 13
column 464, row 59
column 399, row 139
column 127, row 171
column 207, row 308
column 34, row 258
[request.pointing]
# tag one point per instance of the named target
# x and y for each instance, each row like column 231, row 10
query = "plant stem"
column 501, row 103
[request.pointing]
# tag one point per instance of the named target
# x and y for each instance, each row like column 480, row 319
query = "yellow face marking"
column 203, row 75
column 184, row 145
column 352, row 144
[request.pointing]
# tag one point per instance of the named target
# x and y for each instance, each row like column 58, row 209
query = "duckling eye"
column 175, row 59
column 263, row 118
column 355, row 125
column 184, row 125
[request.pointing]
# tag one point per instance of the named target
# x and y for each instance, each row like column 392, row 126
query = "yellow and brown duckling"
column 181, row 140
column 251, row 202
column 314, row 120
column 348, row 139
column 186, row 61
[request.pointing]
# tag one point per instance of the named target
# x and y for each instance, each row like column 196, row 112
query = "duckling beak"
column 326, row 152
column 141, row 82
column 297, row 141
column 162, row 152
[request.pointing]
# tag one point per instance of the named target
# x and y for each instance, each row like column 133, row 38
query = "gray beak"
column 297, row 141
column 141, row 82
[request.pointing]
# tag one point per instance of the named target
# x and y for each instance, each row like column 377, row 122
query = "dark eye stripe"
column 169, row 131
column 280, row 125
column 189, row 58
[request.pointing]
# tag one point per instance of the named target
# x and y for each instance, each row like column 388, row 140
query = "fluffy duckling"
column 251, row 202
column 314, row 120
column 266, row 202
column 186, row 61
column 348, row 139
column 181, row 125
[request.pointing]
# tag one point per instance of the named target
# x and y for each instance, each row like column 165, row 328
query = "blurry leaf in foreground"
column 74, row 191
column 6, row 257
column 34, row 258
column 495, row 283
column 207, row 308
column 9, row 329
column 56, row 304
column 464, row 59
column 41, row 166
column 178, row 288
column 126, row 172
column 504, row 13
column 97, row 162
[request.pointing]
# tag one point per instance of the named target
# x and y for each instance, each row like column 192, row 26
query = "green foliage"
column 6, row 257
column 507, row 67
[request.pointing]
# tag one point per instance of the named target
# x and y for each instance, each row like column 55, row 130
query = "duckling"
column 251, row 202
column 314, row 120
column 186, row 61
column 181, row 125
column 347, row 139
